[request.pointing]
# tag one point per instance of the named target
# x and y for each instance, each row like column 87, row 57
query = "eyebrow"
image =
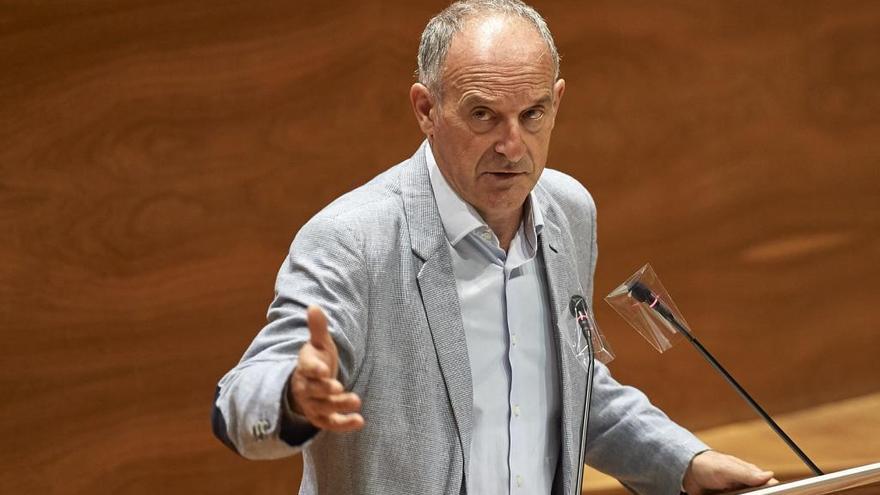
column 544, row 100
column 477, row 100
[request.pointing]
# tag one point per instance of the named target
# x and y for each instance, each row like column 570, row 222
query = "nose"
column 510, row 142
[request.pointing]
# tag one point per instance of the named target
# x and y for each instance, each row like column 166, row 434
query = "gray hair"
column 440, row 30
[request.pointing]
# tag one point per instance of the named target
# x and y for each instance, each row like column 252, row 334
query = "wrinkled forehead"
column 498, row 43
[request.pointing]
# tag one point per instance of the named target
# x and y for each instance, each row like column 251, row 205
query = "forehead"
column 498, row 54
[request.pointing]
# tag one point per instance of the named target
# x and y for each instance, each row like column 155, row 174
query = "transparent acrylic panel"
column 578, row 343
column 640, row 315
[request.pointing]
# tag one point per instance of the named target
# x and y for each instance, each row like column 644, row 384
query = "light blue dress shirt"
column 511, row 347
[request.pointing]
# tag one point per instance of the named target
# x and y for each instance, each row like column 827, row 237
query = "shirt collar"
column 460, row 218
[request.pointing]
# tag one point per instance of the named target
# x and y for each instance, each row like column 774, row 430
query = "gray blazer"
column 376, row 260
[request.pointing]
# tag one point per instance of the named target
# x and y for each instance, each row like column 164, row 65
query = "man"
column 414, row 344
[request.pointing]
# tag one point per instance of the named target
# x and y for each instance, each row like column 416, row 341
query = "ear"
column 423, row 105
column 558, row 91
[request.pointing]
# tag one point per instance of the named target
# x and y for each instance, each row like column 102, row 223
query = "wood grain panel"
column 723, row 143
column 841, row 435
column 157, row 157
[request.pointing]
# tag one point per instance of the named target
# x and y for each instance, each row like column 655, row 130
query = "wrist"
column 688, row 485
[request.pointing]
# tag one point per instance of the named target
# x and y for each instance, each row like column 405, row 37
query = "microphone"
column 640, row 292
column 578, row 308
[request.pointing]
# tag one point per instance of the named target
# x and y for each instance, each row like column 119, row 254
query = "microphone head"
column 577, row 303
column 640, row 292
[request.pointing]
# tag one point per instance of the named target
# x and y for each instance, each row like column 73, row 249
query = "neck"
column 505, row 226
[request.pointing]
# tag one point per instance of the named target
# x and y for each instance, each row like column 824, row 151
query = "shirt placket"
column 518, row 450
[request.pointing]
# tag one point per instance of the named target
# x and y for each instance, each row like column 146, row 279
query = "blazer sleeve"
column 636, row 442
column 325, row 266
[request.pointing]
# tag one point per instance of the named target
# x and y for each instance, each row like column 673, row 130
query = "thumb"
column 319, row 335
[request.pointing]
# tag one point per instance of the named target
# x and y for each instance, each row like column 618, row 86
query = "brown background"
column 156, row 158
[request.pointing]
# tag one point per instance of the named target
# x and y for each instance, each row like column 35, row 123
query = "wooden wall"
column 157, row 157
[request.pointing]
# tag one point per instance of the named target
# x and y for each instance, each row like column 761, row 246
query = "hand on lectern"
column 315, row 392
column 712, row 472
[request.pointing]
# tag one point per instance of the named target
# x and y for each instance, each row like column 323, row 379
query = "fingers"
column 339, row 403
column 324, row 415
column 325, row 403
column 305, row 389
column 319, row 336
column 764, row 478
column 314, row 401
column 341, row 423
column 320, row 397
column 711, row 471
column 317, row 394
column 751, row 474
column 321, row 388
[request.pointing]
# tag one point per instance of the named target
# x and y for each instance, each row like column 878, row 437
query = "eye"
column 481, row 114
column 533, row 113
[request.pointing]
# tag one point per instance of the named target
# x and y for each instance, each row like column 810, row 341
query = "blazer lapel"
column 436, row 281
column 563, row 283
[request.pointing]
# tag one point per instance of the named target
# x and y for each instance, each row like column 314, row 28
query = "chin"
column 505, row 202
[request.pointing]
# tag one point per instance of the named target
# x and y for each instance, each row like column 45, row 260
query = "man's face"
column 490, row 131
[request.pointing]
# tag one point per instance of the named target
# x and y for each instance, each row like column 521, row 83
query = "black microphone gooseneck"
column 578, row 308
column 643, row 294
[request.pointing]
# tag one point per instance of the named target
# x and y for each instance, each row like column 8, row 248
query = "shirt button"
column 519, row 481
column 516, row 411
column 514, row 340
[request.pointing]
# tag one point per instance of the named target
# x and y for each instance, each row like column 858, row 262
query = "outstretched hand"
column 314, row 389
column 714, row 472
